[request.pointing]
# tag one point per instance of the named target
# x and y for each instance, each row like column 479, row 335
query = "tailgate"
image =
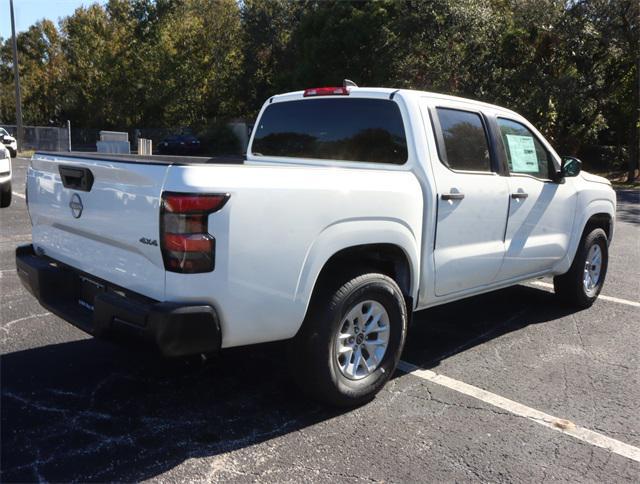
column 105, row 221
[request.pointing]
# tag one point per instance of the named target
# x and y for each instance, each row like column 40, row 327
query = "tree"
column 616, row 23
column 336, row 40
column 197, row 62
column 266, row 28
column 42, row 67
column 569, row 66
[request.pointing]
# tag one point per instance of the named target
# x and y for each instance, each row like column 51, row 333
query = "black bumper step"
column 98, row 307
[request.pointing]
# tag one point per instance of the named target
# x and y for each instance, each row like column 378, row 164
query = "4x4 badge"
column 146, row 241
column 76, row 206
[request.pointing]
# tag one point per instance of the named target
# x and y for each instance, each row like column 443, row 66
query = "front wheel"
column 351, row 340
column 5, row 194
column 581, row 286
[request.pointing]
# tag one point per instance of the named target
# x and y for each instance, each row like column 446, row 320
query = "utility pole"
column 16, row 75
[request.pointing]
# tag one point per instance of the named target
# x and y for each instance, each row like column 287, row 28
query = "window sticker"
column 523, row 154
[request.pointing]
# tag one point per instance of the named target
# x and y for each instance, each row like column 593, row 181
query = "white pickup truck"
column 353, row 208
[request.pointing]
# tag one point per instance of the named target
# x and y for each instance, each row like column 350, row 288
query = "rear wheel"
column 351, row 340
column 583, row 282
column 5, row 194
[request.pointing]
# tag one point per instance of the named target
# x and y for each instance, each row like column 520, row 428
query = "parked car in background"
column 182, row 144
column 9, row 142
column 5, row 177
column 354, row 208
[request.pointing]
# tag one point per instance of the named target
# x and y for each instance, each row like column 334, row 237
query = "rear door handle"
column 518, row 195
column 452, row 196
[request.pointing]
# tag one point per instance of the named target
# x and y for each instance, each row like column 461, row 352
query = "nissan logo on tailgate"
column 76, row 206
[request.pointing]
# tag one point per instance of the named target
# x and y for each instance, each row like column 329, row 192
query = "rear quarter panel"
column 281, row 224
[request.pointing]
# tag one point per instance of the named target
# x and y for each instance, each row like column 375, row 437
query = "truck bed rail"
column 147, row 159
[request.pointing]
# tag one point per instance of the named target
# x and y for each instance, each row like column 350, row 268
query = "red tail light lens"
column 186, row 244
column 193, row 203
column 326, row 91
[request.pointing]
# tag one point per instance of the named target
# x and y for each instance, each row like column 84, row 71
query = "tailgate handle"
column 76, row 178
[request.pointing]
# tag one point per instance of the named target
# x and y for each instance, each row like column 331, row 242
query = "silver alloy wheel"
column 362, row 339
column 592, row 268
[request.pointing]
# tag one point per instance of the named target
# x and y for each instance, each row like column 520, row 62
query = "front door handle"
column 452, row 196
column 519, row 195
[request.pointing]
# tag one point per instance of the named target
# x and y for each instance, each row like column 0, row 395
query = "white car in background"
column 5, row 177
column 9, row 142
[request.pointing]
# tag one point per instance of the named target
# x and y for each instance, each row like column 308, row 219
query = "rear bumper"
column 177, row 329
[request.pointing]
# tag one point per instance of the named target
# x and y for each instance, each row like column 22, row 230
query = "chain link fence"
column 233, row 137
column 43, row 138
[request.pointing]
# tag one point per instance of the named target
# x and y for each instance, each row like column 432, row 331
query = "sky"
column 29, row 12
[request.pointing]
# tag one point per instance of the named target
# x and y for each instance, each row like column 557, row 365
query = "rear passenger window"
column 525, row 154
column 464, row 139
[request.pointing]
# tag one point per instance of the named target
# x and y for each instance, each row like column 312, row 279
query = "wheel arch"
column 385, row 246
column 600, row 220
column 597, row 214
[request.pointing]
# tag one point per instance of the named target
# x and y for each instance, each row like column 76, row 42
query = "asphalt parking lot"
column 519, row 388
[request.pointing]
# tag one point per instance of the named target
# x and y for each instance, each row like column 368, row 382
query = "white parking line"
column 604, row 298
column 544, row 419
column 5, row 327
column 19, row 195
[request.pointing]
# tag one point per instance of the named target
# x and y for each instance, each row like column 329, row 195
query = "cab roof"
column 381, row 92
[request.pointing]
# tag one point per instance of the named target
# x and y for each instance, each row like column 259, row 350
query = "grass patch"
column 26, row 154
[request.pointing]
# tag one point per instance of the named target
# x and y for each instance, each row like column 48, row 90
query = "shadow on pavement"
column 91, row 411
column 441, row 332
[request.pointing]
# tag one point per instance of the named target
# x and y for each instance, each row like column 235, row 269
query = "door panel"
column 472, row 202
column 541, row 211
column 469, row 240
column 539, row 226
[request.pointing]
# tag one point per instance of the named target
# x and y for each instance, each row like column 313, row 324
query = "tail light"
column 326, row 91
column 186, row 244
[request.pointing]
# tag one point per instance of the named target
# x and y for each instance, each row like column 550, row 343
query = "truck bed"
column 147, row 159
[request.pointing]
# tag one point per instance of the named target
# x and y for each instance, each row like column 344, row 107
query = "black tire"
column 570, row 286
column 12, row 153
column 5, row 194
column 312, row 353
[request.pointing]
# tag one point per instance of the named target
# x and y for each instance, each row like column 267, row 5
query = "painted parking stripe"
column 604, row 298
column 19, row 195
column 515, row 408
column 5, row 327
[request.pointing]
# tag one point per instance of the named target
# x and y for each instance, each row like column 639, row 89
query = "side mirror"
column 571, row 166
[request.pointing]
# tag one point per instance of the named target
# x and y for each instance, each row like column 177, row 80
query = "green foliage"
column 336, row 40
column 571, row 67
column 42, row 66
